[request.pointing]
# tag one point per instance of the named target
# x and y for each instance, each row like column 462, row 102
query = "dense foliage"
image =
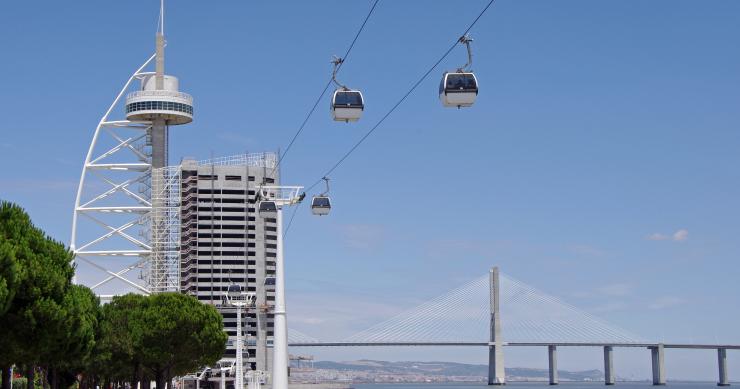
column 59, row 334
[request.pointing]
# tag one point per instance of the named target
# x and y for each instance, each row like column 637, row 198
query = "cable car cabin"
column 320, row 205
column 347, row 105
column 458, row 89
column 267, row 208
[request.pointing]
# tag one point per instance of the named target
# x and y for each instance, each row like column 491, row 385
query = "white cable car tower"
column 271, row 200
column 125, row 216
column 240, row 299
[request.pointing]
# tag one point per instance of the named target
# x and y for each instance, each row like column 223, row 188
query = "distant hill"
column 455, row 371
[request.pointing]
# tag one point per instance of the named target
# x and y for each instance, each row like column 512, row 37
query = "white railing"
column 159, row 93
column 266, row 160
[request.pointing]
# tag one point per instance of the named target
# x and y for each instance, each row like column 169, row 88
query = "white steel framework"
column 110, row 223
column 240, row 300
column 162, row 273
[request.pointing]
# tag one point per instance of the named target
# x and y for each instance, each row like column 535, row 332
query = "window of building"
column 233, row 178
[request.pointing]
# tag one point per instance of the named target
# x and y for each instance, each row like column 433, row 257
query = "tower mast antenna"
column 161, row 17
column 160, row 49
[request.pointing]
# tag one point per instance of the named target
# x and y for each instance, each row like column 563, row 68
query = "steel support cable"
column 471, row 316
column 426, row 322
column 531, row 296
column 432, row 327
column 433, row 322
column 410, row 91
column 316, row 104
column 444, row 328
column 328, row 84
column 587, row 327
column 381, row 328
column 410, row 319
column 443, row 306
column 290, row 222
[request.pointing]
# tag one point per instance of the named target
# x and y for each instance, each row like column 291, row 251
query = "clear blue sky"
column 603, row 129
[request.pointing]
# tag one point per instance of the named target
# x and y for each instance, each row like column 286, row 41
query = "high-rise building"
column 224, row 242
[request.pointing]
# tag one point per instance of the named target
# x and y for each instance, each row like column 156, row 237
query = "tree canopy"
column 179, row 335
column 59, row 329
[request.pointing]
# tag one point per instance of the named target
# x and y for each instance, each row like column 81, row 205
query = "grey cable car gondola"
column 267, row 208
column 347, row 105
column 460, row 88
column 321, row 204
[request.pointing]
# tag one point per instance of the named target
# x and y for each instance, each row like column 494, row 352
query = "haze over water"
column 540, row 385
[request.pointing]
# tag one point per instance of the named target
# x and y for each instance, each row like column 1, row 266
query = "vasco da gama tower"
column 142, row 226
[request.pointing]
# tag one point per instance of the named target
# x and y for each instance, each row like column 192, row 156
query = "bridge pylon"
column 496, row 373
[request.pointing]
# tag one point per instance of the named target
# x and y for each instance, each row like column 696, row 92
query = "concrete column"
column 496, row 373
column 722, row 360
column 658, row 365
column 608, row 365
column 159, row 62
column 159, row 143
column 552, row 358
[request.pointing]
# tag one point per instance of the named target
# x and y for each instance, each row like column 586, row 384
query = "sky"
column 598, row 164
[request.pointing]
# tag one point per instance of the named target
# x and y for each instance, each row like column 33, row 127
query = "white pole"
column 280, row 340
column 238, row 381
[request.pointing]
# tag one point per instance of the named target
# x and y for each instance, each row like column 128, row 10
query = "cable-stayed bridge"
column 498, row 311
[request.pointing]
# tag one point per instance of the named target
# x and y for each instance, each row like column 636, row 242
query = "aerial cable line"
column 290, row 222
column 328, row 84
column 413, row 88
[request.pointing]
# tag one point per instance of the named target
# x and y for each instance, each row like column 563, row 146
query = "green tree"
column 44, row 272
column 179, row 334
column 15, row 228
column 117, row 352
column 73, row 335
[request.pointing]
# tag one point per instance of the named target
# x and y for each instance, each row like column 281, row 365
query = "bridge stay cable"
column 461, row 316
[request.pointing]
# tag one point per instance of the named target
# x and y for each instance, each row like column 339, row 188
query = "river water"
column 539, row 385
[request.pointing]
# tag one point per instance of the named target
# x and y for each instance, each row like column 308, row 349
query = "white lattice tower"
column 126, row 213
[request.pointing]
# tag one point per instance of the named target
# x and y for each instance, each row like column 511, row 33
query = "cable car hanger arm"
column 466, row 39
column 337, row 63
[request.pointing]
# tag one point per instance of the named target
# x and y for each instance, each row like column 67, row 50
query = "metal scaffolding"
column 162, row 270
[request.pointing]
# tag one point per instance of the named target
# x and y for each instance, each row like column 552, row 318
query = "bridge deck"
column 518, row 344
